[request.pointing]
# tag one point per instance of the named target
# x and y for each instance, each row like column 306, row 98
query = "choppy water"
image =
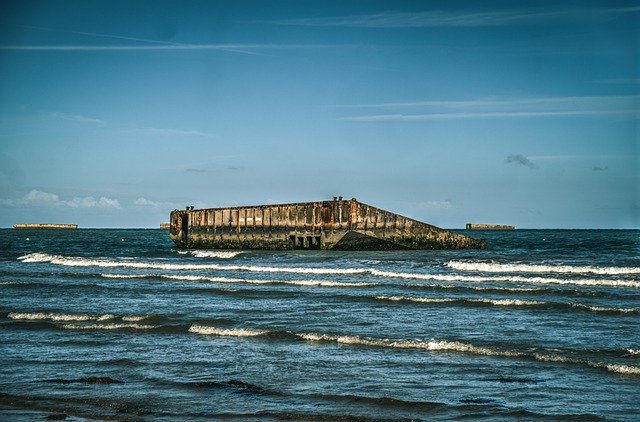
column 118, row 324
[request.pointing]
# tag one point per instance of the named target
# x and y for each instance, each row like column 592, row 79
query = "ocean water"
column 121, row 325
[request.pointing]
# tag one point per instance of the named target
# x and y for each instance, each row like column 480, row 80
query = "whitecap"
column 227, row 332
column 539, row 268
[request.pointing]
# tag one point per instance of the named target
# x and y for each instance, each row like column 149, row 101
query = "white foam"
column 122, row 276
column 432, row 345
column 508, row 279
column 212, row 253
column 635, row 352
column 617, row 368
column 539, row 268
column 605, row 309
column 196, row 278
column 228, row 332
column 495, row 302
column 134, row 318
column 113, row 326
column 86, row 262
column 43, row 316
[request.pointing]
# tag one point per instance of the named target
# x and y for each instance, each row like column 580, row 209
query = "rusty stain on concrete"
column 335, row 224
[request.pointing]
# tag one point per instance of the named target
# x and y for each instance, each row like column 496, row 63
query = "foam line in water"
column 113, row 326
column 60, row 317
column 506, row 279
column 509, row 303
column 85, row 262
column 106, row 263
column 49, row 316
column 195, row 278
column 495, row 302
column 429, row 345
column 539, row 268
column 226, row 332
column 212, row 254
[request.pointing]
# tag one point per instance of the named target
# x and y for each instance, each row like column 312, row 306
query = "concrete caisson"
column 335, row 224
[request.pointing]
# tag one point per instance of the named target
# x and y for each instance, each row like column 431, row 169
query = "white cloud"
column 78, row 118
column 437, row 204
column 154, row 131
column 91, row 202
column 144, row 202
column 458, row 18
column 41, row 198
column 525, row 107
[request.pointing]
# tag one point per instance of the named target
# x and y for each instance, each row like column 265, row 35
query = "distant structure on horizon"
column 165, row 226
column 489, row 227
column 46, row 226
column 338, row 224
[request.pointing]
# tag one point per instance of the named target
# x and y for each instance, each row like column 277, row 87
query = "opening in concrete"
column 305, row 242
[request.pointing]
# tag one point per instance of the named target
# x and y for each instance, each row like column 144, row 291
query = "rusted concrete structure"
column 338, row 224
column 489, row 227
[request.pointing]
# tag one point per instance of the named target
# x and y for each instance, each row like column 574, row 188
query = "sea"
column 122, row 325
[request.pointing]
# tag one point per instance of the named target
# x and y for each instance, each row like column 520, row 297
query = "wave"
column 47, row 316
column 495, row 302
column 227, row 332
column 85, row 321
column 112, row 326
column 212, row 254
column 539, row 268
column 510, row 302
column 428, row 345
column 87, row 262
column 510, row 279
column 308, row 283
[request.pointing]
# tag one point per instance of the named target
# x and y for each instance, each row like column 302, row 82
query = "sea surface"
column 122, row 325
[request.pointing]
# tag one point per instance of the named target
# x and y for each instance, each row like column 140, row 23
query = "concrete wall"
column 309, row 225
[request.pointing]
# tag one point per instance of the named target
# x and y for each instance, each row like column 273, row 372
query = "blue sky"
column 114, row 113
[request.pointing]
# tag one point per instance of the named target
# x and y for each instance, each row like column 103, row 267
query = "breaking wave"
column 126, row 320
column 538, row 268
column 195, row 278
column 495, row 302
column 212, row 254
column 510, row 279
column 227, row 332
column 87, row 262
column 428, row 345
column 114, row 326
column 509, row 303
column 48, row 316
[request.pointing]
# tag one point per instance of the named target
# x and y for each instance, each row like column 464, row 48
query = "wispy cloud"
column 41, row 198
column 622, row 81
column 612, row 106
column 154, row 131
column 520, row 160
column 447, row 18
column 436, row 204
column 76, row 118
column 251, row 49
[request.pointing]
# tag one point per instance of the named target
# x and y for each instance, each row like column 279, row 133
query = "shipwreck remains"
column 471, row 226
column 46, row 226
column 338, row 224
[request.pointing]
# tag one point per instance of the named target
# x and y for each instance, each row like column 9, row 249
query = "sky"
column 114, row 113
